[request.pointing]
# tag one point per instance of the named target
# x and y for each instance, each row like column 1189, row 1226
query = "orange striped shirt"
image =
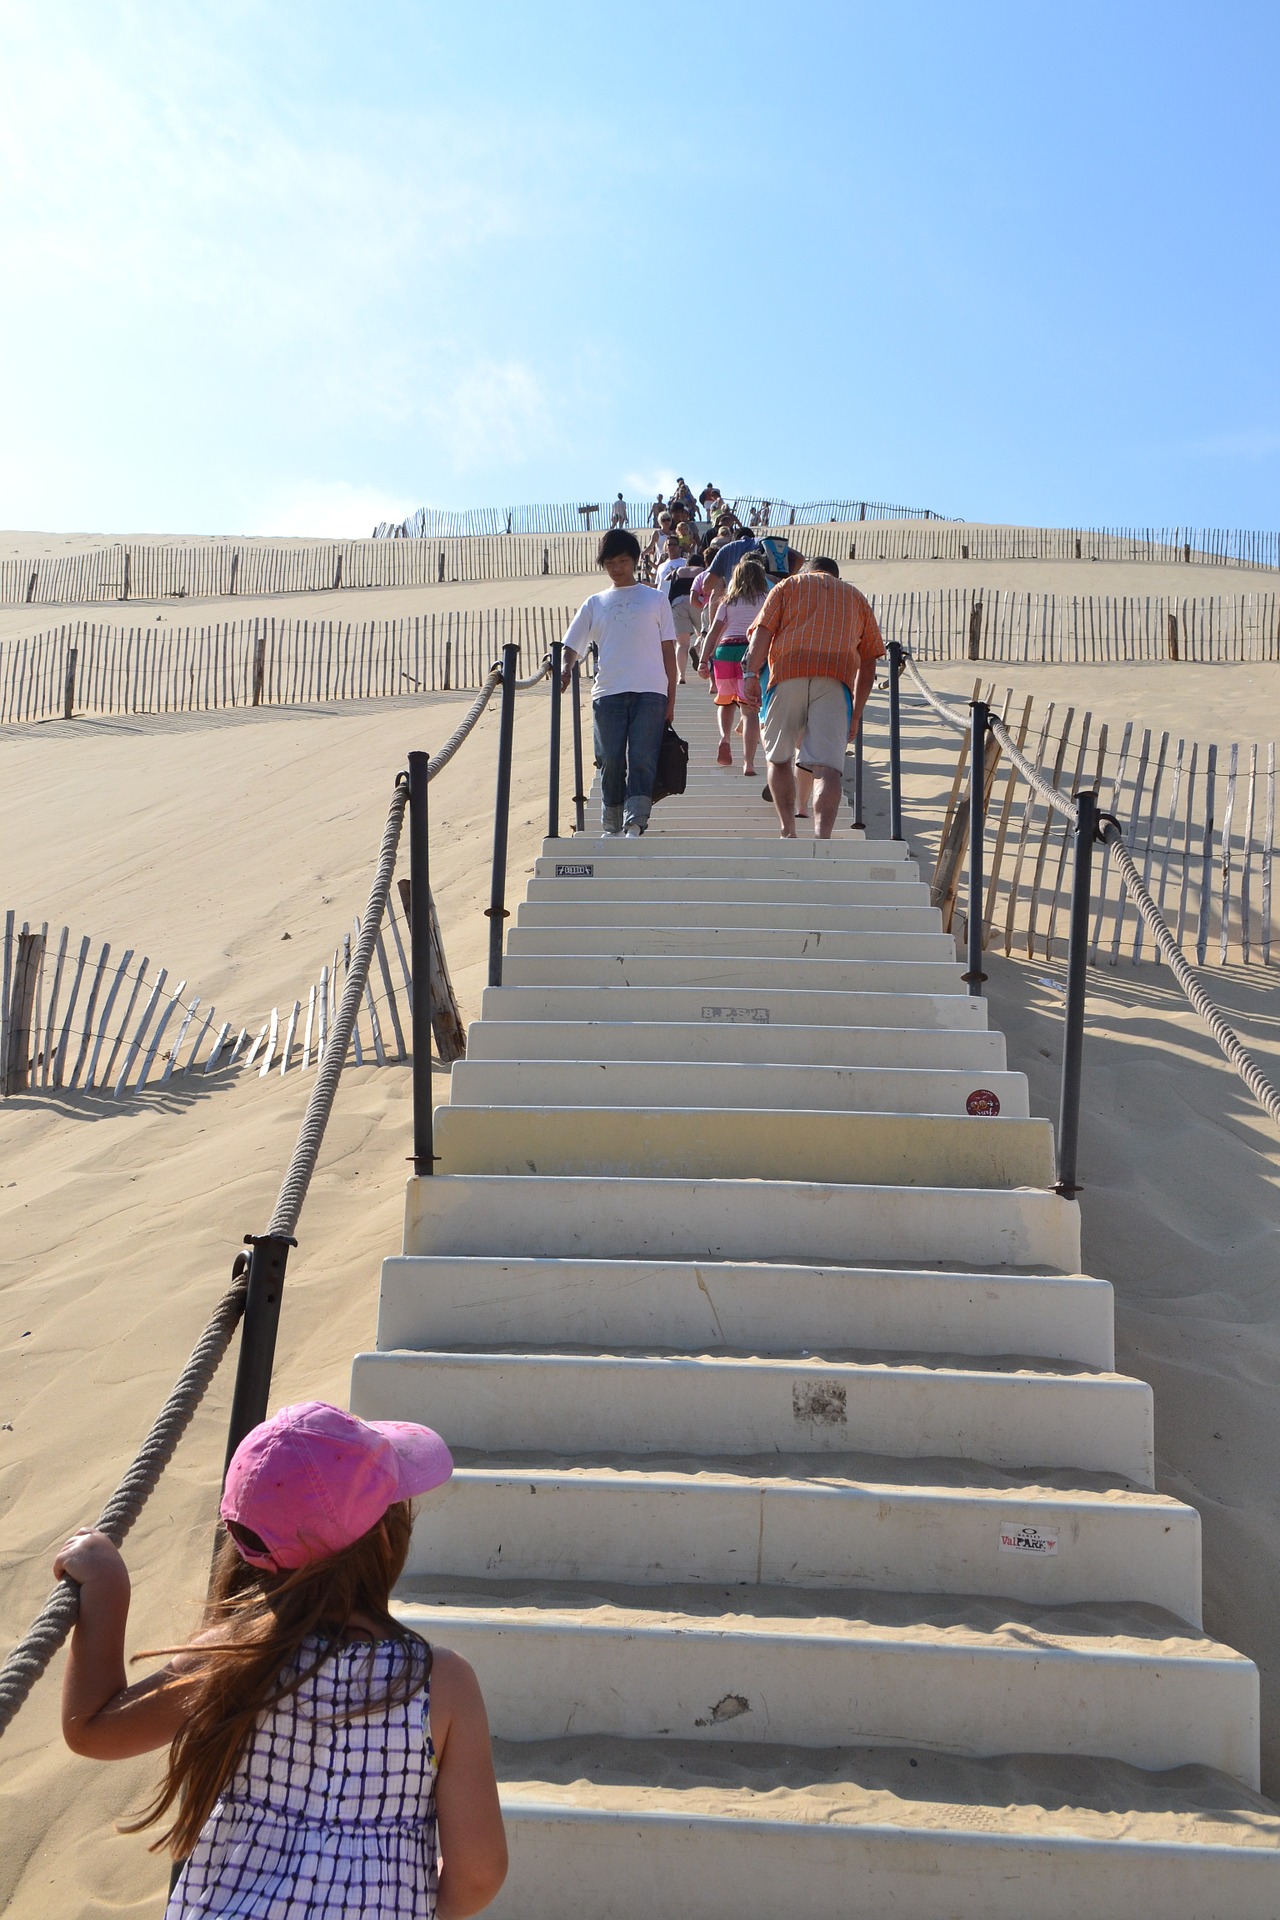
column 819, row 628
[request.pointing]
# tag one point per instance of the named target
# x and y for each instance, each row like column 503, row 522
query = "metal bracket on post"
column 496, row 911
column 981, row 721
column 1087, row 820
column 895, row 741
column 553, row 786
column 579, row 797
column 268, row 1256
column 420, row 963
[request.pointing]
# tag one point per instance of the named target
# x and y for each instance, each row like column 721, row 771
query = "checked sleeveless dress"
column 330, row 1813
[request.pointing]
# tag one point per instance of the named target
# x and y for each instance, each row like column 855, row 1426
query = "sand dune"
column 208, row 837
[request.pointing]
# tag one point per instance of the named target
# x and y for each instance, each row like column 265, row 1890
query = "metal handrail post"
column 895, row 741
column 981, row 713
column 1077, row 978
column 496, row 912
column 268, row 1256
column 420, row 963
column 579, row 797
column 553, row 787
column 858, row 820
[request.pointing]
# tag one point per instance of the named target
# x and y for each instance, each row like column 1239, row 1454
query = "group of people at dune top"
column 788, row 649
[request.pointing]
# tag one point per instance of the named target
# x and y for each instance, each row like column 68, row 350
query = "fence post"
column 424, row 1160
column 496, row 911
column 975, row 631
column 579, row 797
column 981, row 720
column 268, row 1255
column 69, row 685
column 858, row 820
column 553, row 786
column 259, row 659
column 895, row 740
column 1077, row 977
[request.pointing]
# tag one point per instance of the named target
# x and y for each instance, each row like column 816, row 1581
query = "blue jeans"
column 628, row 733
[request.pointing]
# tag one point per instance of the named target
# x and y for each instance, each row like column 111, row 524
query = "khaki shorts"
column 813, row 715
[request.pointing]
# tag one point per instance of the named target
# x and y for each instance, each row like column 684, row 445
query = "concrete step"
column 530, row 1399
column 721, row 970
column 766, row 845
column 852, row 1522
column 639, row 937
column 717, row 1831
column 673, row 1083
column 451, row 1300
column 734, row 1008
column 936, row 1150
column 956, row 1676
column 776, row 887
column 811, row 918
column 791, row 1221
column 740, row 1042
column 623, row 860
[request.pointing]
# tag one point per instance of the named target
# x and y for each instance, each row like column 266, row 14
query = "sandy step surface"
column 435, row 1301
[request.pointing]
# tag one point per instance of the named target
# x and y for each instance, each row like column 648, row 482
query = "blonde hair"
column 263, row 1620
column 750, row 581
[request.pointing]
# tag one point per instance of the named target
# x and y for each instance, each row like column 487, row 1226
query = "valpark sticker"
column 1024, row 1538
column 756, row 1016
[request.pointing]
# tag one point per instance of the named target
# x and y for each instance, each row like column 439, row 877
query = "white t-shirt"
column 628, row 625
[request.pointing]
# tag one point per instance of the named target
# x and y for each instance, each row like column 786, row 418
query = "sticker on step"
column 755, row 1016
column 575, row 870
column 1016, row 1537
column 984, row 1102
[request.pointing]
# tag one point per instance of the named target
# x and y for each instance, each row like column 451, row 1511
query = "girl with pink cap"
column 323, row 1760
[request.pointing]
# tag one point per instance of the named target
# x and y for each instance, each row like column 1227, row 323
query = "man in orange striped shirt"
column 821, row 641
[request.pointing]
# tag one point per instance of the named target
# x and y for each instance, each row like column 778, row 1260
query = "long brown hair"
column 262, row 1620
column 750, row 581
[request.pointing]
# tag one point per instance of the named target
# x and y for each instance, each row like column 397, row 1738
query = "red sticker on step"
column 984, row 1102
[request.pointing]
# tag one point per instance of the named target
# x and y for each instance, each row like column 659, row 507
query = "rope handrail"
column 1262, row 1089
column 32, row 1654
column 1229, row 1041
column 56, row 1618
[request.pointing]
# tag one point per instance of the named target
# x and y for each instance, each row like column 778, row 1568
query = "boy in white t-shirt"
column 634, row 695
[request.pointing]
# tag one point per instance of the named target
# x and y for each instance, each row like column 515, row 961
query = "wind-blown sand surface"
column 204, row 839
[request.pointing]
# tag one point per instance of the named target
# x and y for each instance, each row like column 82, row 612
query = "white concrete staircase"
column 803, row 1535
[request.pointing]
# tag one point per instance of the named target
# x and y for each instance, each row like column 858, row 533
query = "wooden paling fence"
column 223, row 569
column 102, row 667
column 975, row 623
column 79, row 1019
column 99, row 667
column 1199, row 820
column 70, row 1020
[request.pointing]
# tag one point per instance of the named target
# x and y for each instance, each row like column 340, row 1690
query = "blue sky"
column 292, row 267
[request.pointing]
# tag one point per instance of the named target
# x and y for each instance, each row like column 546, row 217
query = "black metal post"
column 977, row 833
column 858, row 820
column 1077, row 977
column 496, row 912
column 895, row 741
column 579, row 797
column 267, row 1258
column 420, row 963
column 553, row 789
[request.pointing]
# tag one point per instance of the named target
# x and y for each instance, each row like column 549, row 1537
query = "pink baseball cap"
column 313, row 1480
